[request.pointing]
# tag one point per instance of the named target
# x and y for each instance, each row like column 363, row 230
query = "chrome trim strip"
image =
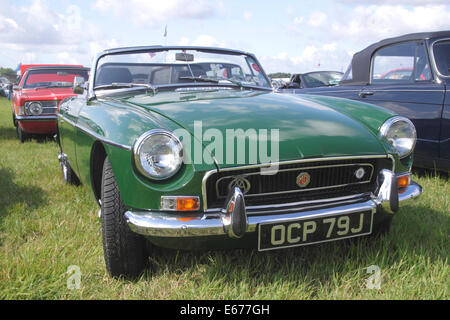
column 300, row 169
column 327, row 200
column 94, row 135
column 297, row 209
column 270, row 207
column 209, row 173
column 36, row 118
column 280, row 163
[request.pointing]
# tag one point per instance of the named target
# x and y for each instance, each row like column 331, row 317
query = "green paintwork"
column 309, row 127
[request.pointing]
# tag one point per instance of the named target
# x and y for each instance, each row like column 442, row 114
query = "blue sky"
column 286, row 35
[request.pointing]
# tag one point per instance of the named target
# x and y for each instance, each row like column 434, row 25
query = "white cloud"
column 311, row 58
column 29, row 58
column 202, row 40
column 376, row 22
column 308, row 55
column 329, row 47
column 36, row 25
column 151, row 13
column 332, row 36
column 317, row 19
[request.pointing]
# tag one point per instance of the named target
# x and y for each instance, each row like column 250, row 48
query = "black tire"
column 22, row 135
column 125, row 251
column 69, row 176
column 14, row 120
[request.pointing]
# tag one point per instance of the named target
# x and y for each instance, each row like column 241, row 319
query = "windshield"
column 321, row 79
column 441, row 51
column 177, row 66
column 52, row 78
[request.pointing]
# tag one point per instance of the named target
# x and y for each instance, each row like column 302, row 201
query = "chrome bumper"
column 234, row 222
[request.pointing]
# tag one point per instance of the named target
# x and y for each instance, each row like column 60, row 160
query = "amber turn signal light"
column 403, row 181
column 188, row 204
column 180, row 203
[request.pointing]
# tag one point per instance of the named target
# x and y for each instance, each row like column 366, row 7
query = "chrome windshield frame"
column 133, row 50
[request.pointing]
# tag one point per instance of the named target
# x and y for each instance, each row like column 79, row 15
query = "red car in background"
column 36, row 97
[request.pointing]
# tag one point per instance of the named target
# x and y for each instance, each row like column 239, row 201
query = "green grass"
column 47, row 226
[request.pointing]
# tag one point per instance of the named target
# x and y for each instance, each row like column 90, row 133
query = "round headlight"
column 158, row 154
column 401, row 133
column 35, row 108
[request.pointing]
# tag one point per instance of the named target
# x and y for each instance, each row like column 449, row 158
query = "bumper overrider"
column 233, row 221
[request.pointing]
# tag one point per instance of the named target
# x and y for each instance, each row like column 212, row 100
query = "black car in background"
column 4, row 86
column 410, row 75
column 314, row 79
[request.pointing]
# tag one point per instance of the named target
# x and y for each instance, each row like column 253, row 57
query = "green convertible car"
column 189, row 147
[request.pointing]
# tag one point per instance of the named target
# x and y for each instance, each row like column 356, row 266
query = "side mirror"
column 79, row 85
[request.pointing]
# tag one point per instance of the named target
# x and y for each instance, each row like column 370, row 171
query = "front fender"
column 116, row 127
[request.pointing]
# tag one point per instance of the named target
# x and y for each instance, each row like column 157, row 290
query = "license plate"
column 307, row 231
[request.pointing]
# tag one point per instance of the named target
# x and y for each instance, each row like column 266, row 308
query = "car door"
column 401, row 80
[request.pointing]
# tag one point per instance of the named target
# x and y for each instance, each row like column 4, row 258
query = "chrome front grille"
column 328, row 178
column 48, row 107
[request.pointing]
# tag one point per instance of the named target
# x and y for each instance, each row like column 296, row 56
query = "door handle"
column 363, row 93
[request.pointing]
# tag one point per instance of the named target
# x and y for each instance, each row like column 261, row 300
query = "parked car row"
column 174, row 144
column 409, row 75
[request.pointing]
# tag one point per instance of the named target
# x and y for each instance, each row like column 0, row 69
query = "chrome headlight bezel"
column 138, row 149
column 389, row 125
column 31, row 111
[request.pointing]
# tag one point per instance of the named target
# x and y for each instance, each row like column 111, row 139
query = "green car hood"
column 308, row 126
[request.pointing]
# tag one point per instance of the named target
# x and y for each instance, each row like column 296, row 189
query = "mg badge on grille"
column 242, row 183
column 303, row 179
column 359, row 174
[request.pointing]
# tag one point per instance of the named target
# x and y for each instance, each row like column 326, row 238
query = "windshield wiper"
column 199, row 79
column 212, row 80
column 118, row 85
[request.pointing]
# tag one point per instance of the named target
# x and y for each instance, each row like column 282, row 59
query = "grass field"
column 47, row 226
